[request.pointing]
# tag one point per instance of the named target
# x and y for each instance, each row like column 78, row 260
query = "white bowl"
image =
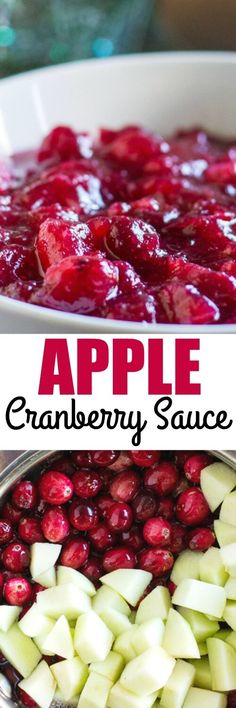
column 160, row 91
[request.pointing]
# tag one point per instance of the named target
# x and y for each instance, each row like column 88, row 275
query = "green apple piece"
column 93, row 640
column 70, row 676
column 120, row 698
column 202, row 648
column 43, row 557
column 222, row 634
column 48, row 579
column 179, row 640
column 202, row 678
column 40, row 685
column 70, row 575
column 229, row 614
column 116, row 621
column 95, row 692
column 129, row 583
column 34, row 622
column 111, row 667
column 187, row 565
column 201, row 626
column 148, row 672
column 217, row 480
column 106, row 597
column 19, row 650
column 63, row 600
column 231, row 639
column 132, row 616
column 8, row 615
column 228, row 509
column 230, row 589
column 59, row 700
column 225, row 533
column 222, row 659
column 155, row 604
column 178, row 685
column 228, row 556
column 41, row 638
column 203, row 597
column 200, row 698
column 148, row 634
column 59, row 640
column 124, row 644
column 212, row 569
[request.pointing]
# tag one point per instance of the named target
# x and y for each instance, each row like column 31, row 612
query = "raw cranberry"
column 200, row 539
column 179, row 539
column 144, row 506
column 1, row 582
column 93, row 568
column 16, row 557
column 125, row 486
column 55, row 487
column 6, row 531
column 81, row 458
column 180, row 457
column 165, row 508
column 86, row 483
column 55, row 524
column 194, row 465
column 182, row 485
column 171, row 587
column 145, row 458
column 133, row 537
column 161, row 478
column 119, row 557
column 83, row 515
column 24, row 495
column 10, row 513
column 17, row 591
column 102, row 537
column 105, row 477
column 29, row 530
column 122, row 463
column 74, row 553
column 157, row 561
column 104, row 458
column 104, row 502
column 36, row 588
column 157, row 532
column 119, row 517
column 25, row 699
column 191, row 507
column 63, row 465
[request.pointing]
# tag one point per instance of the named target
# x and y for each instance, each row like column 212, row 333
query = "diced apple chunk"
column 34, row 622
column 187, row 565
column 179, row 640
column 148, row 672
column 230, row 639
column 59, row 640
column 228, row 509
column 106, row 597
column 41, row 638
column 148, row 634
column 95, row 692
column 8, row 615
column 67, row 575
column 93, row 640
column 230, row 589
column 129, row 583
column 120, row 698
column 116, row 621
column 217, row 480
column 70, row 676
column 63, row 600
column 201, row 626
column 199, row 698
column 202, row 648
column 19, row 650
column 124, row 644
column 225, row 533
column 229, row 614
column 40, row 685
column 43, row 557
column 178, row 685
column 155, row 604
column 228, row 555
column 212, row 569
column 222, row 659
column 203, row 597
column 111, row 667
column 202, row 678
column 48, row 579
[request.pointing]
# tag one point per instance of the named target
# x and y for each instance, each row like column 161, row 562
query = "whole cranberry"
column 231, row 703
column 125, row 485
column 157, row 532
column 87, row 483
column 29, row 530
column 24, row 495
column 119, row 517
column 133, row 537
column 105, row 477
column 93, row 568
column 171, row 587
column 103, row 503
column 17, row 591
column 180, row 457
column 102, row 537
column 166, row 508
column 6, row 531
column 200, row 539
column 25, row 699
column 122, row 463
column 10, row 513
column 145, row 458
column 103, row 458
column 194, row 465
column 133, row 240
column 16, row 557
column 63, row 465
column 1, row 582
column 119, row 557
column 144, row 506
column 182, row 485
column 81, row 458
column 55, row 487
column 36, row 588
column 192, row 508
column 55, row 524
column 179, row 540
column 83, row 515
column 161, row 478
column 157, row 561
column 74, row 553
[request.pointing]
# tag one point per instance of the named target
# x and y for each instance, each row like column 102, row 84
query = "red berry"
column 125, row 485
column 81, row 458
column 179, row 539
column 103, row 458
column 17, row 591
column 192, row 508
column 161, row 478
column 171, row 587
column 55, row 487
column 104, row 502
column 165, row 508
column 133, row 240
column 74, row 553
column 119, row 557
column 89, row 281
column 119, row 517
column 200, row 539
column 83, row 515
column 10, row 513
column 133, row 537
column 16, row 557
column 194, row 465
column 25, row 699
column 87, row 483
column 55, row 524
column 145, row 458
column 93, row 568
column 6, row 531
column 157, row 532
column 101, row 537
column 1, row 582
column 36, row 588
column 24, row 495
column 29, row 530
column 144, row 506
column 157, row 561
column 122, row 463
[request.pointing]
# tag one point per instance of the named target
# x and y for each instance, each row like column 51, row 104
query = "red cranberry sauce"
column 129, row 226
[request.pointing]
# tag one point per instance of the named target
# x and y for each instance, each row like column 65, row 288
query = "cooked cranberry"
column 165, row 508
column 93, row 568
column 16, row 557
column 179, row 540
column 133, row 240
column 101, row 537
column 6, row 531
column 104, row 458
column 10, row 513
column 157, row 561
column 119, row 517
column 144, row 506
column 103, row 503
column 74, row 553
column 192, row 508
column 145, row 458
column 83, row 282
column 157, row 532
column 119, row 557
column 17, row 591
column 24, row 495
column 29, row 530
column 161, row 478
column 133, row 537
column 87, row 483
column 125, row 485
column 55, row 524
column 83, row 515
column 55, row 487
column 194, row 465
column 61, row 143
column 200, row 539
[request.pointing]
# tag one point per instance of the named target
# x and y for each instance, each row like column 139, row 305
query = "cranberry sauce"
column 128, row 227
